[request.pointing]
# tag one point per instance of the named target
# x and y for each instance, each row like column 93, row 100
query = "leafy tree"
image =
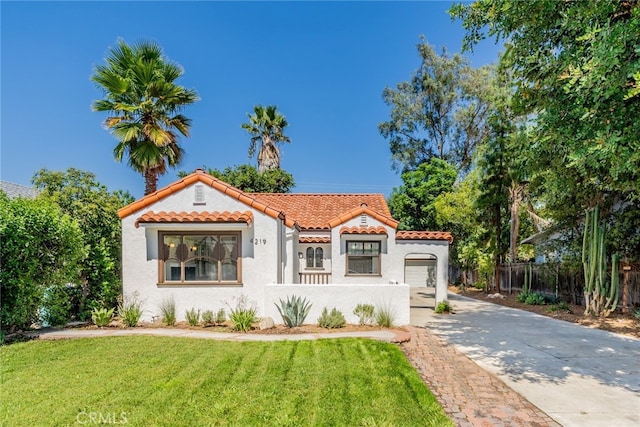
column 413, row 203
column 95, row 210
column 41, row 250
column 248, row 179
column 144, row 104
column 266, row 125
column 441, row 112
column 575, row 65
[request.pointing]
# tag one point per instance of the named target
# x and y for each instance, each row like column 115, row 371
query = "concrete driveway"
column 578, row 376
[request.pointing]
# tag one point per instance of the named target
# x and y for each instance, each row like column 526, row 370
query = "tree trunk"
column 150, row 181
column 268, row 157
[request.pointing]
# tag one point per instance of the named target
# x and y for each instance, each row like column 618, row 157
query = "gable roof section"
column 191, row 217
column 319, row 211
column 200, row 176
column 424, row 235
column 346, row 216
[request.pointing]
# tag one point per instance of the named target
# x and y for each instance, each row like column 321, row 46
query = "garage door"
column 420, row 272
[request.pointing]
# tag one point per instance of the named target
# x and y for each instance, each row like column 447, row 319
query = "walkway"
column 578, row 376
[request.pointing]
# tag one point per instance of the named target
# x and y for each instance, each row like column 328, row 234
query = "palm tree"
column 266, row 125
column 144, row 105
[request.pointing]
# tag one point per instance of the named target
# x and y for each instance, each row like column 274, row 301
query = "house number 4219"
column 257, row 242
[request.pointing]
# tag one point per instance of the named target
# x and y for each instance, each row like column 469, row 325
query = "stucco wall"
column 269, row 258
column 343, row 297
column 259, row 243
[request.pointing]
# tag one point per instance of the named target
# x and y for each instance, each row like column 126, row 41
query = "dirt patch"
column 619, row 323
column 277, row 329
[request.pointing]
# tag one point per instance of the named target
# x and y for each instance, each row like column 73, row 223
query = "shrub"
column 294, row 310
column 243, row 315
column 221, row 317
column 193, row 317
column 56, row 306
column 101, row 317
column 39, row 246
column 207, row 317
column 130, row 310
column 522, row 296
column 636, row 313
column 559, row 306
column 535, row 299
column 364, row 313
column 332, row 320
column 443, row 307
column 384, row 316
column 168, row 310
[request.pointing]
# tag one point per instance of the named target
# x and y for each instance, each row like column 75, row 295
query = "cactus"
column 600, row 294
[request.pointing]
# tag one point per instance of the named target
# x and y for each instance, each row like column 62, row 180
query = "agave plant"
column 294, row 310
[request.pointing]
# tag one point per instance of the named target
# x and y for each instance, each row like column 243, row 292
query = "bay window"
column 200, row 257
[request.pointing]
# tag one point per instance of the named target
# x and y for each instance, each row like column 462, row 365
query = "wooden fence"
column 556, row 279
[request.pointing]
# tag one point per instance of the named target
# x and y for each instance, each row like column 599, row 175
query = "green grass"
column 178, row 381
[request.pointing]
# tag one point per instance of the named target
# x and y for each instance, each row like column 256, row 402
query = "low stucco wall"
column 343, row 297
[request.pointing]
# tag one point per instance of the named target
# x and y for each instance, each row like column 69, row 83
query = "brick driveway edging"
column 468, row 394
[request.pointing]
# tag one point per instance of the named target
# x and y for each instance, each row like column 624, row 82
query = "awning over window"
column 363, row 230
column 195, row 217
column 314, row 240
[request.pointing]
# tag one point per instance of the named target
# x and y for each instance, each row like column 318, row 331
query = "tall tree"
column 576, row 65
column 248, row 179
column 266, row 125
column 441, row 112
column 144, row 103
column 413, row 203
column 94, row 209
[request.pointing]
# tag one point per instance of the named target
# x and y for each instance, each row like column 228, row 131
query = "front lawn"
column 180, row 381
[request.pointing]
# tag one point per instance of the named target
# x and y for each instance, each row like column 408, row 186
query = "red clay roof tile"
column 315, row 240
column 363, row 230
column 194, row 217
column 424, row 235
column 200, row 176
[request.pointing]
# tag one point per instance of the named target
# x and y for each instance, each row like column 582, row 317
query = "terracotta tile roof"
column 200, row 176
column 314, row 240
column 191, row 217
column 315, row 211
column 346, row 216
column 363, row 230
column 424, row 235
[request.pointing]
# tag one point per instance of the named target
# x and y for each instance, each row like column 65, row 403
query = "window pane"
column 319, row 257
column 310, row 257
column 229, row 261
column 170, row 256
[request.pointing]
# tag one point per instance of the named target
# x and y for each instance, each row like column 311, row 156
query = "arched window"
column 310, row 258
column 319, row 257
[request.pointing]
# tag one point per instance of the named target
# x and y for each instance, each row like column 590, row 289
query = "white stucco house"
column 203, row 243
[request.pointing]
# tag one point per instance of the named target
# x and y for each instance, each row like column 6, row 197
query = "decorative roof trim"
column 363, row 230
column 424, row 235
column 195, row 217
column 359, row 211
column 315, row 240
column 200, row 176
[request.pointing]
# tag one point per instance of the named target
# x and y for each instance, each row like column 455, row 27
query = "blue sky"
column 325, row 64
